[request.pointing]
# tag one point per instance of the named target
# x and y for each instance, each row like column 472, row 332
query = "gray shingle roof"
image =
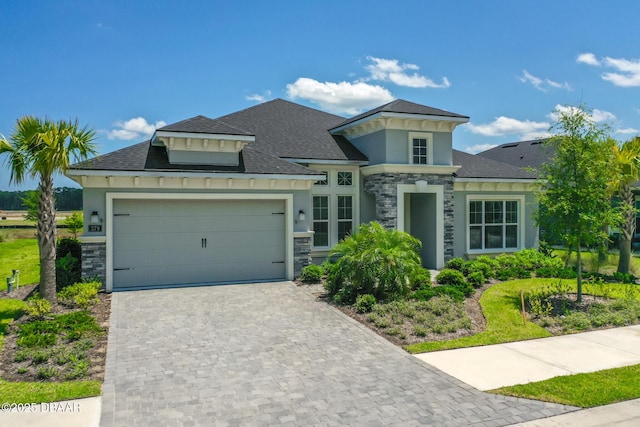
column 405, row 107
column 202, row 124
column 482, row 167
column 144, row 157
column 290, row 130
column 522, row 154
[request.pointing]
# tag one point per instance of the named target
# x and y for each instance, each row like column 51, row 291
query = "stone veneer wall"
column 384, row 187
column 301, row 254
column 94, row 260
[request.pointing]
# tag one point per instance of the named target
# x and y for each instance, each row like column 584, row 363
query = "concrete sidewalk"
column 623, row 414
column 493, row 366
column 70, row 413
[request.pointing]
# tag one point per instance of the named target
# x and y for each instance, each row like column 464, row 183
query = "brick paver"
column 265, row 354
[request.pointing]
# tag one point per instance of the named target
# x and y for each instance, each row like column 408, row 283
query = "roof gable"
column 202, row 124
column 475, row 166
column 531, row 154
column 401, row 106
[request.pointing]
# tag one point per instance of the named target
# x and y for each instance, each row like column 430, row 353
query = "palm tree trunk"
column 627, row 228
column 47, row 240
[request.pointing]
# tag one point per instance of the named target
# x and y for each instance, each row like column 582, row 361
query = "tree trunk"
column 579, row 262
column 47, row 240
column 627, row 228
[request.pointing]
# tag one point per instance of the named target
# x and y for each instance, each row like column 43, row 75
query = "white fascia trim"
column 438, row 190
column 245, row 138
column 108, row 220
column 168, row 174
column 401, row 168
column 328, row 162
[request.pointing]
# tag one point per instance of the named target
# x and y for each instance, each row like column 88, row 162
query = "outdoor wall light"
column 301, row 215
column 95, row 218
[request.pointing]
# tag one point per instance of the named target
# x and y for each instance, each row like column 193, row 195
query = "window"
column 321, row 220
column 493, row 224
column 345, row 216
column 325, row 181
column 420, row 148
column 345, row 178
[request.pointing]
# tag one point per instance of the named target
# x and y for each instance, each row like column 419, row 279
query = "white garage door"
column 180, row 242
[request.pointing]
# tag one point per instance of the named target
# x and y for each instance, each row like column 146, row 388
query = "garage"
column 187, row 242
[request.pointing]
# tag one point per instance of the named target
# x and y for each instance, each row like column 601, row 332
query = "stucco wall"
column 392, row 146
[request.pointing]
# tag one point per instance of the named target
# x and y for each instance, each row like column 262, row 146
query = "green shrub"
column 45, row 372
column 546, row 272
column 419, row 331
column 68, row 271
column 373, row 261
column 454, row 264
column 450, row 277
column 68, row 246
column 470, row 267
column 76, row 369
column 476, row 279
column 82, row 295
column 78, row 322
column 491, row 262
column 37, row 340
column 37, row 307
column 21, row 355
column 39, row 357
column 364, row 303
column 420, row 279
column 450, row 291
column 312, row 274
column 576, row 321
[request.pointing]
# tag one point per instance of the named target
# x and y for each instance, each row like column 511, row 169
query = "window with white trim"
column 494, row 224
column 345, row 216
column 321, row 221
column 420, row 148
column 345, row 178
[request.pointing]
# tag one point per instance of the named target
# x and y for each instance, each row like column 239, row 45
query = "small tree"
column 30, row 202
column 74, row 223
column 574, row 188
column 627, row 158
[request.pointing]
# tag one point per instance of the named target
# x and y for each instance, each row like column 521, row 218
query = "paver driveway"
column 265, row 354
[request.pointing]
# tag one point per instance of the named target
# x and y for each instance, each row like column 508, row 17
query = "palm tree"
column 628, row 160
column 41, row 148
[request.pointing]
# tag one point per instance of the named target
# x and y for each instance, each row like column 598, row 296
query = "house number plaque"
column 95, row 228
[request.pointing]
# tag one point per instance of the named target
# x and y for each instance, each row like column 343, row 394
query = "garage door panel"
column 159, row 242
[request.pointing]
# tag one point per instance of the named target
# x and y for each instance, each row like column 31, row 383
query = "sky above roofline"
column 125, row 68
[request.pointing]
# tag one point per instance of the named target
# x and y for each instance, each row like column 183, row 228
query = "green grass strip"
column 38, row 392
column 583, row 390
column 501, row 307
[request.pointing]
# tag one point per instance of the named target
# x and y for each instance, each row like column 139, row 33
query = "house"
column 258, row 194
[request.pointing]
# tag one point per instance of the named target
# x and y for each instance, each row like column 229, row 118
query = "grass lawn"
column 590, row 262
column 583, row 390
column 38, row 392
column 20, row 254
column 501, row 307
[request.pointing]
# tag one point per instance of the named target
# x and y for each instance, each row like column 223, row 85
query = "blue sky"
column 124, row 67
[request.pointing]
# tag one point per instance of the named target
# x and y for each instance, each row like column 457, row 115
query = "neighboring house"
column 258, row 194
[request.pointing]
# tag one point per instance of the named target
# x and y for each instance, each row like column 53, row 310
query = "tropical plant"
column 40, row 148
column 74, row 223
column 573, row 188
column 373, row 261
column 627, row 158
column 30, row 202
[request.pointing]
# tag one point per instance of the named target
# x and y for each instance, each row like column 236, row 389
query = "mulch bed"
column 472, row 307
column 96, row 355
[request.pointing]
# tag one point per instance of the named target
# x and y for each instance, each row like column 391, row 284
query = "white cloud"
column 501, row 126
column 136, row 128
column 478, row 148
column 626, row 71
column 588, row 58
column 542, row 85
column 598, row 116
column 626, row 131
column 342, row 97
column 392, row 70
column 259, row 98
column 628, row 74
